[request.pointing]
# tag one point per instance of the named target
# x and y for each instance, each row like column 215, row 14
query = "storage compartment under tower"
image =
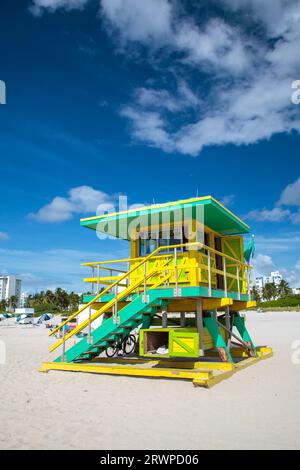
column 154, row 340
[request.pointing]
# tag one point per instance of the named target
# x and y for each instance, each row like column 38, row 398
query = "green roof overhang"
column 207, row 210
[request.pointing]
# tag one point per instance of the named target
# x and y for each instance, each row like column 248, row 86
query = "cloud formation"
column 82, row 199
column 38, row 7
column 291, row 194
column 264, row 264
column 247, row 93
column 250, row 98
column 284, row 209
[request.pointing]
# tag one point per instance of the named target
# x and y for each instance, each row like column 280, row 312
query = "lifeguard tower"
column 184, row 285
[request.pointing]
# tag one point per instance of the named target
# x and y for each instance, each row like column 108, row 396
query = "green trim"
column 168, row 293
column 216, row 217
column 214, row 331
column 239, row 323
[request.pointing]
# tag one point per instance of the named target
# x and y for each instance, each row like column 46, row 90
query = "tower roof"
column 207, row 209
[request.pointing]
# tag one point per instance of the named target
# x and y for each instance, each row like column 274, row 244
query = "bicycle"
column 125, row 345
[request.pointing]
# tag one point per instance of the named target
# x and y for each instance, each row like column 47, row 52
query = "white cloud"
column 149, row 127
column 39, row 6
column 140, row 21
column 247, row 95
column 278, row 16
column 274, row 215
column 263, row 264
column 292, row 276
column 289, row 243
column 157, row 24
column 227, row 200
column 82, row 199
column 295, row 218
column 290, row 196
column 253, row 100
column 149, row 98
column 4, row 236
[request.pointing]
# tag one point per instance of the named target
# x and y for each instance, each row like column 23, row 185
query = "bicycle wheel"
column 111, row 351
column 129, row 344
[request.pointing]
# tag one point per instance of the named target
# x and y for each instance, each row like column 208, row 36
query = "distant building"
column 10, row 286
column 23, row 299
column 274, row 278
column 24, row 311
column 296, row 290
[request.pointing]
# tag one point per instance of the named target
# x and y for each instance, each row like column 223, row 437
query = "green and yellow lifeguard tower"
column 183, row 286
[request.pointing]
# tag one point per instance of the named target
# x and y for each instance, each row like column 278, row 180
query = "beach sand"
column 257, row 408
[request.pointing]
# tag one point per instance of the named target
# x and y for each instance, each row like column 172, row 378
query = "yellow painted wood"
column 171, row 363
column 104, row 280
column 238, row 305
column 210, row 304
column 203, row 374
column 130, row 370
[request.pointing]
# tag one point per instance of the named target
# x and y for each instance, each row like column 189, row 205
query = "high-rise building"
column 274, row 278
column 23, row 299
column 10, row 286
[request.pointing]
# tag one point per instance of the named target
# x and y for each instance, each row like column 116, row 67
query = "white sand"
column 257, row 408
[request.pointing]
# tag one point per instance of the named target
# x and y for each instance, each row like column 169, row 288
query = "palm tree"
column 49, row 297
column 256, row 294
column 283, row 289
column 269, row 291
column 13, row 301
column 74, row 300
column 3, row 305
column 62, row 298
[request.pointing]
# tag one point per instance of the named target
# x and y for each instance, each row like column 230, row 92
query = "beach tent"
column 23, row 319
column 44, row 317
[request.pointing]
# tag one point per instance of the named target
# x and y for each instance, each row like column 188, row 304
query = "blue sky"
column 155, row 100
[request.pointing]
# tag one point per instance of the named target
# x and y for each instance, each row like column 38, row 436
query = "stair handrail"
column 137, row 266
column 127, row 260
column 102, row 310
column 105, row 291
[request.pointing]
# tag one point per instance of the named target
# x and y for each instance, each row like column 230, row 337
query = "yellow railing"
column 165, row 271
column 110, row 304
column 207, row 271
